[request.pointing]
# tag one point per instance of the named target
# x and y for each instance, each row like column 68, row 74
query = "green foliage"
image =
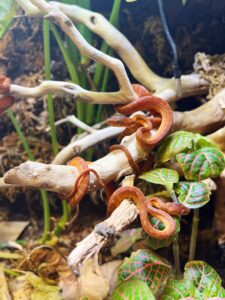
column 146, row 266
column 181, row 142
column 132, row 290
column 200, row 281
column 163, row 176
column 201, row 164
column 7, row 12
column 175, row 143
column 151, row 242
column 193, row 194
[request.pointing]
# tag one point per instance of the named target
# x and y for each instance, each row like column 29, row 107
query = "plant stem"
column 194, row 234
column 176, row 253
column 46, row 33
column 44, row 194
column 47, row 60
column 100, row 69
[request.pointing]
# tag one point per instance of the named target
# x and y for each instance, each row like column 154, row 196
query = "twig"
column 75, row 121
column 194, row 234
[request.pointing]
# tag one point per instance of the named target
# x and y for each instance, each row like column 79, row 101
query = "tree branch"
column 192, row 84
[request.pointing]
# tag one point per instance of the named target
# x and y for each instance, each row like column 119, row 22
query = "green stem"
column 46, row 36
column 71, row 69
column 194, row 234
column 176, row 253
column 44, row 194
column 47, row 67
column 101, row 71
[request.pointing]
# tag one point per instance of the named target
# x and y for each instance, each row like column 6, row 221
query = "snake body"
column 136, row 195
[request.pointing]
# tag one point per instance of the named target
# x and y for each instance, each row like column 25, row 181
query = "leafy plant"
column 7, row 12
column 200, row 281
column 132, row 290
column 146, row 266
column 193, row 194
column 201, row 164
column 163, row 176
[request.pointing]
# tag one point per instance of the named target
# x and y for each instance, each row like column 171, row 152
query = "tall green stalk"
column 101, row 71
column 44, row 194
column 47, row 59
column 194, row 234
column 176, row 254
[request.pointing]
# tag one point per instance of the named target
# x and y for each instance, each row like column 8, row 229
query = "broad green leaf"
column 180, row 141
column 163, row 176
column 193, row 194
column 144, row 265
column 200, row 281
column 132, row 290
column 201, row 164
column 202, row 142
column 7, row 13
column 151, row 242
column 126, row 240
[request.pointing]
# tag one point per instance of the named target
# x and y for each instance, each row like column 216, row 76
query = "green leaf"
column 201, row 164
column 180, row 141
column 200, row 281
column 164, row 176
column 144, row 265
column 151, row 242
column 7, row 12
column 132, row 290
column 193, row 194
column 202, row 142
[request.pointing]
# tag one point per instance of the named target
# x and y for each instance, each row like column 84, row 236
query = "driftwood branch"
column 103, row 233
column 204, row 119
column 52, row 12
column 110, row 168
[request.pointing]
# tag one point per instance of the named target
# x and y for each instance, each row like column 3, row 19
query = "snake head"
column 140, row 90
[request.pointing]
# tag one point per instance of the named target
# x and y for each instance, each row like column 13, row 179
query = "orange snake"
column 6, row 101
column 141, row 124
column 153, row 206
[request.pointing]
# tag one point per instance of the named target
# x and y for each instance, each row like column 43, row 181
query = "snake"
column 136, row 195
column 6, row 101
column 143, row 125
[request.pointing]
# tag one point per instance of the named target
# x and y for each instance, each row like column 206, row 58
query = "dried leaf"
column 10, row 231
column 9, row 255
column 132, row 290
column 42, row 290
column 92, row 282
column 126, row 240
column 4, row 291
